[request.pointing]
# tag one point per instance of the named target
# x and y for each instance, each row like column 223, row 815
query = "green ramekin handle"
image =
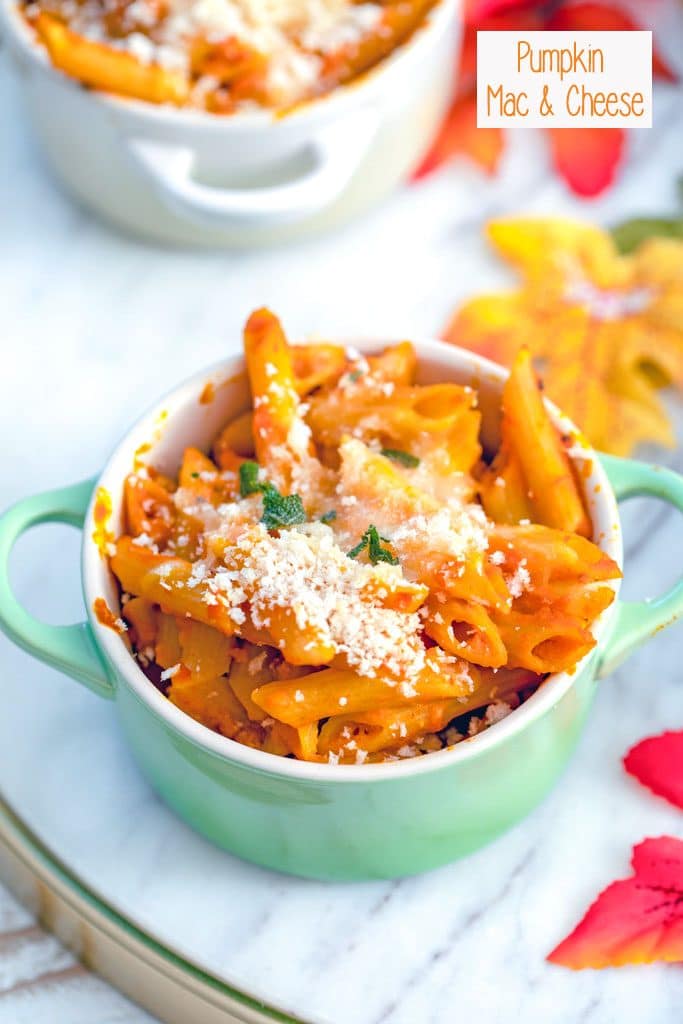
column 71, row 649
column 636, row 621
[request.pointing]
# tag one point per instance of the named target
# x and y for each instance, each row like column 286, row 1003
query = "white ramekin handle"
column 334, row 156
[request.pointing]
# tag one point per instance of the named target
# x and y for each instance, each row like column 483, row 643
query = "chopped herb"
column 354, row 552
column 329, row 517
column 405, row 458
column 355, row 375
column 372, row 540
column 281, row 510
column 278, row 509
column 195, row 476
column 249, row 481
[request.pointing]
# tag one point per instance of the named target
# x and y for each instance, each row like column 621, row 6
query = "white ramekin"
column 188, row 177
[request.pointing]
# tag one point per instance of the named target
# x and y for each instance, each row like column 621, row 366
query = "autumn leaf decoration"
column 657, row 763
column 459, row 135
column 605, row 329
column 586, row 158
column 636, row 920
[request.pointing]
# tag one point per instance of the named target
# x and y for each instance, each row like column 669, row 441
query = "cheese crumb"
column 454, row 531
column 520, row 580
column 336, row 598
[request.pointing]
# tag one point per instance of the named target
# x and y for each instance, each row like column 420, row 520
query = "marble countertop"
column 95, row 326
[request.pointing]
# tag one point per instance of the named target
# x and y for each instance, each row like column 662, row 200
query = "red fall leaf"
column 636, row 920
column 657, row 763
column 597, row 17
column 587, row 158
column 477, row 10
column 459, row 135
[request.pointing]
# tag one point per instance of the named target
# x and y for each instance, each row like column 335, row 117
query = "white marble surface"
column 93, row 326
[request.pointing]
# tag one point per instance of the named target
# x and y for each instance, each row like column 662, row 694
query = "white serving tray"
column 130, row 958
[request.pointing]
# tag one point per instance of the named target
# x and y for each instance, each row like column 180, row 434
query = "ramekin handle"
column 636, row 621
column 71, row 649
column 334, row 157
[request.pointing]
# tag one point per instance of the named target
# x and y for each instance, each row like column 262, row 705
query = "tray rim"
column 146, row 970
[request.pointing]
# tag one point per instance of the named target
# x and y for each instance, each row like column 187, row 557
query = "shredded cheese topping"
column 337, row 598
column 455, row 530
column 294, row 35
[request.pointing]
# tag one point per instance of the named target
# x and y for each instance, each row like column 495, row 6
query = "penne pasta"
column 234, row 58
column 503, row 490
column 466, row 629
column 301, row 743
column 544, row 642
column 148, row 508
column 163, row 579
column 103, row 67
column 212, row 702
column 395, row 365
column 205, row 651
column 328, row 691
column 142, row 618
column 532, row 436
column 385, row 728
column 316, row 366
column 346, row 580
column 235, row 439
column 412, row 419
column 271, row 375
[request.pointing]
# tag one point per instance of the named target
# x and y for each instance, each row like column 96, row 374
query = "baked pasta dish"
column 344, row 577
column 221, row 55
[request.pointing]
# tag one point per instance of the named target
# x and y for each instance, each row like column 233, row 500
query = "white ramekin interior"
column 181, row 419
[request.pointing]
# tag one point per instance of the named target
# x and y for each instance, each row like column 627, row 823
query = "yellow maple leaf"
column 606, row 330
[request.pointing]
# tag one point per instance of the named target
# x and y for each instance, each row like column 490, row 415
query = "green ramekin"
column 327, row 821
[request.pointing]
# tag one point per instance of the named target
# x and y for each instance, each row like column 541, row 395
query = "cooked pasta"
column 349, row 578
column 222, row 56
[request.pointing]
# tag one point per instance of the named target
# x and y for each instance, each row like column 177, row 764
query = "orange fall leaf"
column 605, row 330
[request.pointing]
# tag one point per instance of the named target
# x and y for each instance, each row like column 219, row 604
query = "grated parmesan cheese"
column 520, row 580
column 455, row 531
column 143, row 540
column 294, row 35
column 336, row 598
